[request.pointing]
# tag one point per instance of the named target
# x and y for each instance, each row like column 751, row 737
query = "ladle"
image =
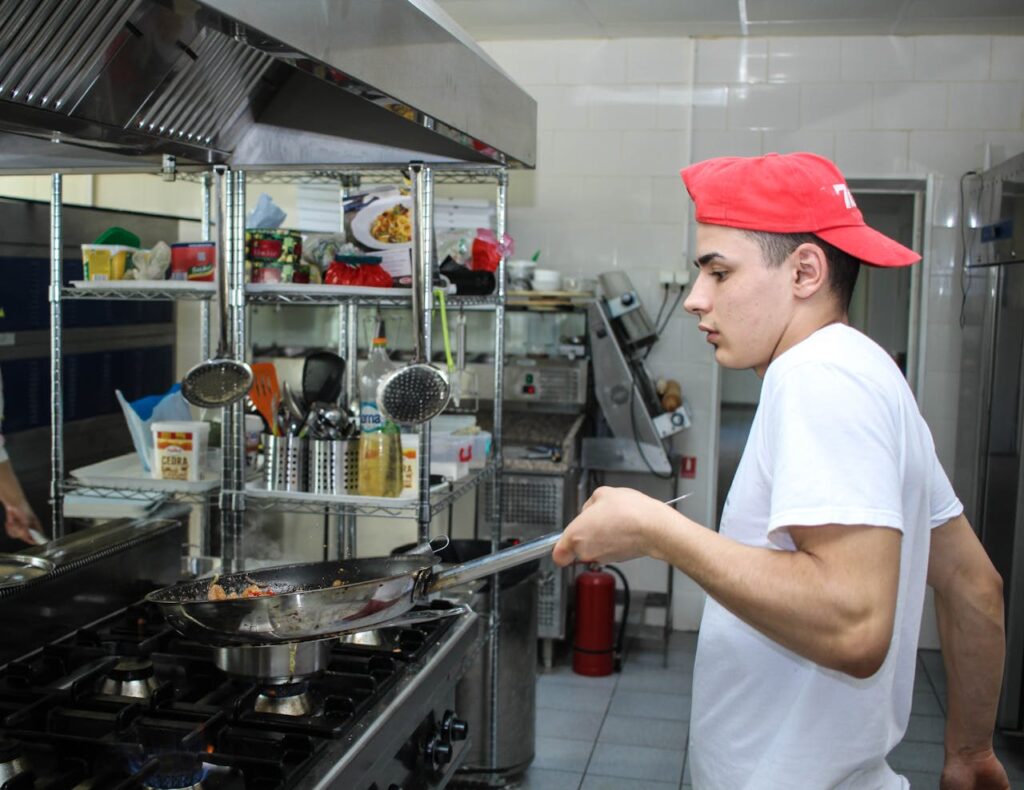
column 219, row 381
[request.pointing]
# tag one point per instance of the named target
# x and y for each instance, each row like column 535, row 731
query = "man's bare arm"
column 969, row 608
column 833, row 600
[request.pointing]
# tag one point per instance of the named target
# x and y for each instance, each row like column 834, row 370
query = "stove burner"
column 291, row 699
column 275, row 664
column 173, row 784
column 176, row 772
column 130, row 677
column 12, row 761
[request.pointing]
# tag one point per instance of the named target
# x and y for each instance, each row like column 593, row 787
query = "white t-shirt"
column 837, row 439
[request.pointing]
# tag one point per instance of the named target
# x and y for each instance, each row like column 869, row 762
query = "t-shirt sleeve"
column 944, row 502
column 832, row 448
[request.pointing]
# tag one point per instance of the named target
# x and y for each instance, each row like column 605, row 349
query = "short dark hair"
column 842, row 267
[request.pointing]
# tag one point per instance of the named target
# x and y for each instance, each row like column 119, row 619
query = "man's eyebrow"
column 705, row 259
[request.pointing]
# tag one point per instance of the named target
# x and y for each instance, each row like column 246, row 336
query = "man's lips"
column 712, row 335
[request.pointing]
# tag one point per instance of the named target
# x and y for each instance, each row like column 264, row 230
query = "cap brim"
column 869, row 246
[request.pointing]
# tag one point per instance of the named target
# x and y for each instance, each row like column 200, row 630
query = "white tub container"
column 179, row 450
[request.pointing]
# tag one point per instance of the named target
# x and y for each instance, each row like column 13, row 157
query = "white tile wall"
column 989, row 105
column 1007, row 58
column 876, row 58
column 938, row 150
column 732, row 60
column 592, row 62
column 835, row 105
column 804, row 59
column 630, row 113
column 784, row 141
column 970, row 59
column 908, row 105
column 767, row 106
column 657, row 60
column 872, row 153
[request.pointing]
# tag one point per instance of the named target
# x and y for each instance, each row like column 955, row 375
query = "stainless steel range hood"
column 114, row 85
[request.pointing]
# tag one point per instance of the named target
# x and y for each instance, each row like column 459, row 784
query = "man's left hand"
column 21, row 522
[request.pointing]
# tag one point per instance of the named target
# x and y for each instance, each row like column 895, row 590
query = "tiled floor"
column 629, row 731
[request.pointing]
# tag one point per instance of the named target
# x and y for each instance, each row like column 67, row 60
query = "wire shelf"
column 142, row 293
column 328, row 295
column 139, row 494
column 356, row 175
column 442, row 496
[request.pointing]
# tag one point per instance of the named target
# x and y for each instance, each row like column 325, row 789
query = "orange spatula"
column 265, row 393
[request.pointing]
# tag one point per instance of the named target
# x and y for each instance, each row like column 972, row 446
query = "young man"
column 837, row 517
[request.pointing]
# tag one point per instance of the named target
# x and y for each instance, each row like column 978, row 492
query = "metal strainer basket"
column 219, row 381
column 413, row 394
column 419, row 391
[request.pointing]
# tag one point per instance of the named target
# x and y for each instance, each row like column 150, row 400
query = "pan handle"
column 426, row 616
column 492, row 563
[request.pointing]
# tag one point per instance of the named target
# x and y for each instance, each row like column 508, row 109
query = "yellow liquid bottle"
column 380, row 445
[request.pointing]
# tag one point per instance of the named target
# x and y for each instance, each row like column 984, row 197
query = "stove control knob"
column 456, row 729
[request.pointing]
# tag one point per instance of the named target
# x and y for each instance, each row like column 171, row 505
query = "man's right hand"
column 981, row 771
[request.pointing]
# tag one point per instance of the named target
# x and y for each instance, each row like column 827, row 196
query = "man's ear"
column 810, row 270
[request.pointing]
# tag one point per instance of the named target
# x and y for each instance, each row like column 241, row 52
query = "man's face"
column 743, row 304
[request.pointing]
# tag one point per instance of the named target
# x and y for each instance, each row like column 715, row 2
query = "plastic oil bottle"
column 380, row 445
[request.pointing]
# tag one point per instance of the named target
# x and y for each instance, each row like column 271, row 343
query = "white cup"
column 547, row 280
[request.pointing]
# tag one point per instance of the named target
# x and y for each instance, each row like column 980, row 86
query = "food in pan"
column 393, row 226
column 218, row 593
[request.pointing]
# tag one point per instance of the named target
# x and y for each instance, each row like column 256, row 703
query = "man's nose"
column 696, row 302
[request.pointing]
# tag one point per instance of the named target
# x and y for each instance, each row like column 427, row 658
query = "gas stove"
column 128, row 703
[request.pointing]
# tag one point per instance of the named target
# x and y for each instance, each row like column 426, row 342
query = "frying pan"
column 317, row 600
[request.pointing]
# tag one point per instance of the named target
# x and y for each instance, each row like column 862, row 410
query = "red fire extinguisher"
column 596, row 651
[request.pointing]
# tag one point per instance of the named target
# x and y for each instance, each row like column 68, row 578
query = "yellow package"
column 106, row 261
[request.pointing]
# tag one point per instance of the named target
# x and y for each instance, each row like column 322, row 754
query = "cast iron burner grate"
column 199, row 728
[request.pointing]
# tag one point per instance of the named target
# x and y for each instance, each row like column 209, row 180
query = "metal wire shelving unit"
column 232, row 496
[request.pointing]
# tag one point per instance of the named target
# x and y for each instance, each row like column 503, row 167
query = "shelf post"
column 348, row 348
column 204, row 305
column 500, row 218
column 422, row 259
column 56, row 357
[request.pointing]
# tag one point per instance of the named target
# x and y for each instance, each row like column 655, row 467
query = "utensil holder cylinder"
column 332, row 466
column 284, row 468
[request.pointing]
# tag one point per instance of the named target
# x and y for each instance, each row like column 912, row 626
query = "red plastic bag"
column 488, row 250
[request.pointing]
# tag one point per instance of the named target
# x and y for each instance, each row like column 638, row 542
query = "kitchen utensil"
column 219, row 381
column 291, row 400
column 315, row 600
column 265, row 392
column 465, row 385
column 452, row 381
column 417, row 392
column 323, row 373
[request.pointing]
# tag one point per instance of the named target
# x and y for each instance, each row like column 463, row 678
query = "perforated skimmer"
column 419, row 391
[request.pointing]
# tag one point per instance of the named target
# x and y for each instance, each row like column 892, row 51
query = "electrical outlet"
column 682, row 277
column 666, row 277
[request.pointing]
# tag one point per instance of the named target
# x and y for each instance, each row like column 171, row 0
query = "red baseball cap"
column 789, row 193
